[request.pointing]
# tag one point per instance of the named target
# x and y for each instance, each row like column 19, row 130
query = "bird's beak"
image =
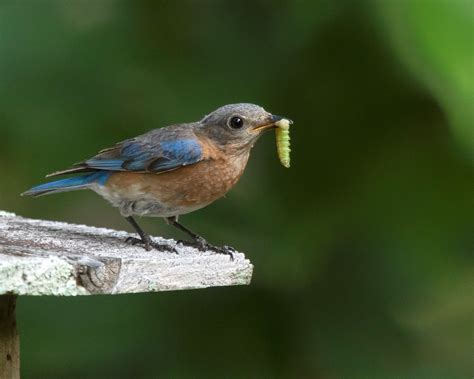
column 269, row 123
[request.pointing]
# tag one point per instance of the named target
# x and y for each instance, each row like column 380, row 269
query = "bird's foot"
column 202, row 245
column 148, row 244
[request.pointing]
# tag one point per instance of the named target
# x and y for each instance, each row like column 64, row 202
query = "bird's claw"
column 202, row 245
column 227, row 250
column 148, row 244
column 135, row 241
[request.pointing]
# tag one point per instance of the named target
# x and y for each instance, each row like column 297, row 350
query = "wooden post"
column 9, row 340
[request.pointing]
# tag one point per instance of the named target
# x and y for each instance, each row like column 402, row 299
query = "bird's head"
column 237, row 126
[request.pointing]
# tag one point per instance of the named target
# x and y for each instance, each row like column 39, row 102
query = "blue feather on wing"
column 163, row 156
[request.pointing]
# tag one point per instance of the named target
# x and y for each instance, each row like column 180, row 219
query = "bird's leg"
column 199, row 242
column 145, row 239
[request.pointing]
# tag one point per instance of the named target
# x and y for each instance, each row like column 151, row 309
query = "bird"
column 171, row 171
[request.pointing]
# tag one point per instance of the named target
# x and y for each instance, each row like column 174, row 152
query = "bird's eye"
column 236, row 122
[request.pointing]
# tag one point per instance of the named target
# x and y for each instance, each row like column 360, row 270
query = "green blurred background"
column 362, row 250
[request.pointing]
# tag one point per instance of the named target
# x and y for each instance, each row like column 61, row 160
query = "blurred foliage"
column 362, row 250
column 435, row 40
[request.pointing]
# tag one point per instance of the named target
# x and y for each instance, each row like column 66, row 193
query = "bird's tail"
column 69, row 184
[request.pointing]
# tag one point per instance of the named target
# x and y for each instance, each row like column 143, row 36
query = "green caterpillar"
column 282, row 133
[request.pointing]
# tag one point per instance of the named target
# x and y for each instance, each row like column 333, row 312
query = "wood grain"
column 40, row 257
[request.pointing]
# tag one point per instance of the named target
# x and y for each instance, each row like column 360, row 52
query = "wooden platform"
column 40, row 257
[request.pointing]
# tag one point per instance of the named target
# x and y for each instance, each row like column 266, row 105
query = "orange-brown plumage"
column 180, row 191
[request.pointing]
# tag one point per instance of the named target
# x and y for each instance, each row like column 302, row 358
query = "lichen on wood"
column 40, row 257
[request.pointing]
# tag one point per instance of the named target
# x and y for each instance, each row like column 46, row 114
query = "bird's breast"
column 180, row 191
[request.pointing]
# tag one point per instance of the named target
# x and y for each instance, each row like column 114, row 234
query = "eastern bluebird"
column 171, row 171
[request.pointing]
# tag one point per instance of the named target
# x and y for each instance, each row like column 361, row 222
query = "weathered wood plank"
column 40, row 257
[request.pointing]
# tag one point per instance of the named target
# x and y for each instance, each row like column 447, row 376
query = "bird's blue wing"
column 145, row 156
